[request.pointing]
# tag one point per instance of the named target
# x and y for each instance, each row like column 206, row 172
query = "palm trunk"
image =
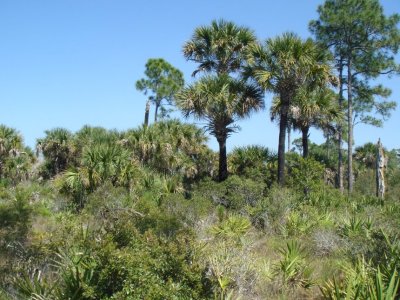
column 156, row 112
column 91, row 181
column 281, row 143
column 223, row 164
column 304, row 139
column 56, row 166
column 147, row 113
column 340, row 131
column 328, row 148
column 350, row 125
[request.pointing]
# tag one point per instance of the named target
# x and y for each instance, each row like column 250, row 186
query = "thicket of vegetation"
column 154, row 213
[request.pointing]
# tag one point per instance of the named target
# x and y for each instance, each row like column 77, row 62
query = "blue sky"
column 67, row 63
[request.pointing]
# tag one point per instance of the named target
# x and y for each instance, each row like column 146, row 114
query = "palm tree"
column 169, row 147
column 253, row 157
column 310, row 109
column 283, row 65
column 315, row 109
column 10, row 145
column 58, row 150
column 74, row 183
column 365, row 155
column 219, row 48
column 89, row 135
column 221, row 101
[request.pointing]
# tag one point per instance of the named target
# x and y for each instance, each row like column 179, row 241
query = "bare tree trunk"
column 147, row 113
column 304, row 139
column 288, row 139
column 223, row 164
column 380, row 168
column 350, row 125
column 156, row 112
column 328, row 152
column 281, row 144
column 340, row 131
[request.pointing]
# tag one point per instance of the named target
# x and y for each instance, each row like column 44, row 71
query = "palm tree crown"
column 219, row 47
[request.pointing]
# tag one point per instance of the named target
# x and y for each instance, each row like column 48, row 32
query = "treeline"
column 153, row 213
column 354, row 43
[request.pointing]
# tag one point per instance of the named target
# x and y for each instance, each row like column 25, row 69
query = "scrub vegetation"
column 154, row 213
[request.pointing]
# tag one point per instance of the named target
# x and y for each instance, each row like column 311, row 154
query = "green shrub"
column 280, row 201
column 150, row 268
column 234, row 227
column 362, row 281
column 253, row 162
column 233, row 193
column 292, row 267
column 306, row 174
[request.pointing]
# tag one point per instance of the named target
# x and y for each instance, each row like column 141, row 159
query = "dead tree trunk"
column 146, row 113
column 380, row 169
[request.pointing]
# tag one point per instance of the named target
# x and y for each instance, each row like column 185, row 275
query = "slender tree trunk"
column 288, row 139
column 91, row 181
column 56, row 166
column 147, row 113
column 1, row 168
column 350, row 125
column 223, row 165
column 156, row 112
column 328, row 148
column 281, row 143
column 340, row 131
column 380, row 168
column 304, row 139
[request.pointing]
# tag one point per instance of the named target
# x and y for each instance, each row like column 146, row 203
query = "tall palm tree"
column 219, row 48
column 283, row 65
column 310, row 109
column 314, row 109
column 221, row 101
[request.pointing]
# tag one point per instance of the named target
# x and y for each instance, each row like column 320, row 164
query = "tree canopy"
column 363, row 41
column 162, row 81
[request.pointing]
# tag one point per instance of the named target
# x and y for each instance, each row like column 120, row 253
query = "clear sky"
column 67, row 63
